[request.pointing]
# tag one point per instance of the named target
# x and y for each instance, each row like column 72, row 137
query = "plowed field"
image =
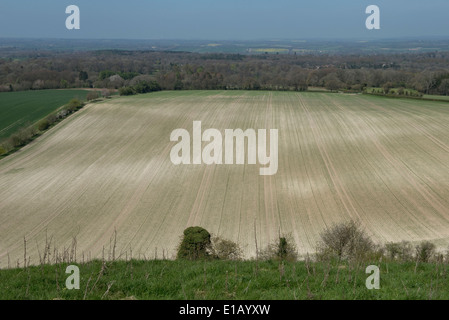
column 383, row 162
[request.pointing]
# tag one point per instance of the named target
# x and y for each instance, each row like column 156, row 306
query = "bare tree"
column 345, row 240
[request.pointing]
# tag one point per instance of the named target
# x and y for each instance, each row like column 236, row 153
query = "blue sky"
column 223, row 20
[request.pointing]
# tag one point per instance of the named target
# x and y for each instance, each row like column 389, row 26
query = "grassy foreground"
column 228, row 280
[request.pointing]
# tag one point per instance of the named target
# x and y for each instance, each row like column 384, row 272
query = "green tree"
column 83, row 76
column 64, row 84
column 74, row 105
column 43, row 125
column 195, row 244
column 425, row 251
column 126, row 91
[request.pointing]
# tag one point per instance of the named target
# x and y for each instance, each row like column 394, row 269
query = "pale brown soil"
column 383, row 162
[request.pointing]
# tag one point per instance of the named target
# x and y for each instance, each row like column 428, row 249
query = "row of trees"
column 345, row 241
column 142, row 86
column 425, row 73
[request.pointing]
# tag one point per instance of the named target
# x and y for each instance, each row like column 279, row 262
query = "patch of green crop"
column 20, row 109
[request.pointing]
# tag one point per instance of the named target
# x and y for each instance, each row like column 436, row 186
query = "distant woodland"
column 422, row 73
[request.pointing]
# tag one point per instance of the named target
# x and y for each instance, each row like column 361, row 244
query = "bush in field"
column 106, row 93
column 51, row 118
column 446, row 255
column 62, row 114
column 224, row 249
column 22, row 137
column 43, row 125
column 402, row 251
column 425, row 251
column 47, row 122
column 26, row 134
column 74, row 105
column 195, row 244
column 92, row 95
column 406, row 252
column 2, row 150
column 154, row 86
column 142, row 87
column 283, row 248
column 345, row 240
column 7, row 145
column 126, row 91
column 14, row 141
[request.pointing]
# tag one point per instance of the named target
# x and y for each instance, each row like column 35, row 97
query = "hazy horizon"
column 233, row 20
column 310, row 39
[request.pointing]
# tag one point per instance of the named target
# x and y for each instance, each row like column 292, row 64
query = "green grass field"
column 226, row 280
column 435, row 97
column 19, row 109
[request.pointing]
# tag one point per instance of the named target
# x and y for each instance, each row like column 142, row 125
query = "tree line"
column 426, row 73
column 344, row 241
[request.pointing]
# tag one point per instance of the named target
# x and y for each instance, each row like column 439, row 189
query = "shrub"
column 7, row 145
column 283, row 248
column 142, row 87
column 446, row 255
column 74, row 105
column 106, row 93
column 345, row 240
column 27, row 133
column 392, row 250
column 425, row 251
column 43, row 125
column 126, row 91
column 92, row 95
column 2, row 150
column 22, row 137
column 224, row 249
column 62, row 114
column 51, row 118
column 14, row 141
column 154, row 86
column 195, row 244
column 402, row 251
